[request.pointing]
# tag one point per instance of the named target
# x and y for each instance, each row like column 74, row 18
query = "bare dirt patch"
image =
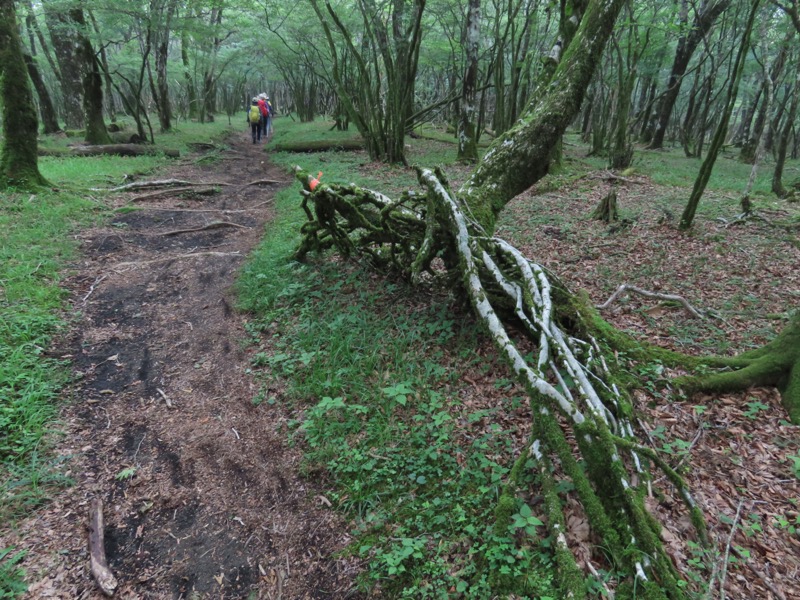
column 202, row 495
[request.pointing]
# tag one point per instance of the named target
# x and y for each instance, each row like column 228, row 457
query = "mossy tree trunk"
column 521, row 156
column 467, row 139
column 18, row 156
column 46, row 108
column 66, row 44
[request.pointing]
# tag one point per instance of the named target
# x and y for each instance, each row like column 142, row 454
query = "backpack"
column 255, row 114
column 264, row 107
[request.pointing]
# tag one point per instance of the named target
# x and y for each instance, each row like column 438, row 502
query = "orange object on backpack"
column 314, row 181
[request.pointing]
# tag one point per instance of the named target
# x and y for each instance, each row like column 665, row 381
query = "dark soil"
column 203, row 499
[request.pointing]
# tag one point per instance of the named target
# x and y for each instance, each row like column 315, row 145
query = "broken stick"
column 97, row 551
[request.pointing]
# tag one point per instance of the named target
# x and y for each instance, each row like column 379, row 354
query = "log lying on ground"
column 318, row 146
column 124, row 150
column 112, row 149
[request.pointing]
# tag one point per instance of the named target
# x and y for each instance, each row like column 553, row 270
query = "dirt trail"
column 202, row 500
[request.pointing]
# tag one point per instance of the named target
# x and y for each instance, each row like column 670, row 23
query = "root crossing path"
column 202, row 496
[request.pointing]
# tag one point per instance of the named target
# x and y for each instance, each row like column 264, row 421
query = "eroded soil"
column 202, row 494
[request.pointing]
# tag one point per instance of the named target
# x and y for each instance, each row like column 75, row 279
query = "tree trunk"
column 161, row 22
column 46, row 109
column 110, row 105
column 467, row 142
column 64, row 35
column 783, row 140
column 722, row 128
column 18, row 156
column 687, row 44
column 191, row 92
column 96, row 132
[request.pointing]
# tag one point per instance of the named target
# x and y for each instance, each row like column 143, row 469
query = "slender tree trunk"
column 109, row 97
column 191, row 92
column 46, row 109
column 161, row 24
column 722, row 128
column 687, row 44
column 783, row 140
column 18, row 155
column 467, row 142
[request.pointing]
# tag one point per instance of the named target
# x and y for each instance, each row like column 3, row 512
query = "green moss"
column 774, row 364
column 18, row 157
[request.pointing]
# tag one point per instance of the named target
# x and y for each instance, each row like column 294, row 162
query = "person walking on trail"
column 254, row 119
column 265, row 114
column 268, row 130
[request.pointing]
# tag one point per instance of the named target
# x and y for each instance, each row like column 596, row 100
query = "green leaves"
column 525, row 520
column 399, row 393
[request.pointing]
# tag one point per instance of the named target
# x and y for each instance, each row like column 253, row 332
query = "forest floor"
column 202, row 494
column 205, row 497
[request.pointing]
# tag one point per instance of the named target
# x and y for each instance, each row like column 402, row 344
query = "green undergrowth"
column 376, row 395
column 374, row 371
column 35, row 252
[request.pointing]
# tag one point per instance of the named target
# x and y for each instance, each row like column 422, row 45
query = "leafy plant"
column 11, row 582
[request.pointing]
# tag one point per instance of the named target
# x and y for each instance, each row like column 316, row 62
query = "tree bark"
column 18, row 156
column 46, row 108
column 687, row 44
column 467, row 139
column 783, row 140
column 66, row 43
column 96, row 132
column 722, row 128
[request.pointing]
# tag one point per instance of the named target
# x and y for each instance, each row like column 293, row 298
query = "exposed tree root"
column 135, row 264
column 775, row 364
column 175, row 191
column 570, row 382
column 636, row 290
column 143, row 185
column 215, row 225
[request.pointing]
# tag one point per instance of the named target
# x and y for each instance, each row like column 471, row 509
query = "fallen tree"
column 112, row 149
column 578, row 390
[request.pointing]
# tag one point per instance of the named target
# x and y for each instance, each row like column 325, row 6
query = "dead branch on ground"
column 97, row 552
column 647, row 294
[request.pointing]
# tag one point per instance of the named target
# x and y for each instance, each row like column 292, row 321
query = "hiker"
column 265, row 114
column 269, row 118
column 254, row 119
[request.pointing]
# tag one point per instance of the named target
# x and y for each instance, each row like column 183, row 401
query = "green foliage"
column 11, row 583
column 381, row 425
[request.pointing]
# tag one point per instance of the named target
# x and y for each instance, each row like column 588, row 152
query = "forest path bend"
column 203, row 499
